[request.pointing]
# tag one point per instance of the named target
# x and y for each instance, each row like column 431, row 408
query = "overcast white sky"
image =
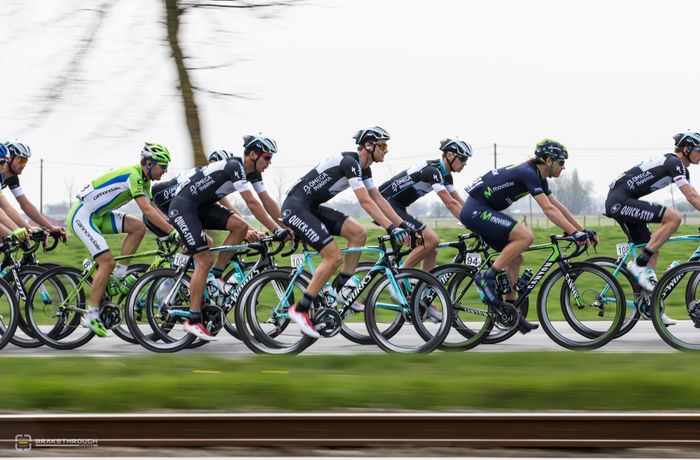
column 611, row 80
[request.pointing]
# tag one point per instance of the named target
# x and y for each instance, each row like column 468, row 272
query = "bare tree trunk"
column 173, row 13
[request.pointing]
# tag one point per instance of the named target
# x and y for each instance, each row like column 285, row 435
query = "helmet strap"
column 371, row 152
column 150, row 177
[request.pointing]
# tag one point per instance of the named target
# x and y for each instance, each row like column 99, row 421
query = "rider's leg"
column 670, row 222
column 513, row 269
column 237, row 229
column 203, row 262
column 105, row 265
column 426, row 253
column 356, row 236
column 331, row 260
column 135, row 230
column 519, row 240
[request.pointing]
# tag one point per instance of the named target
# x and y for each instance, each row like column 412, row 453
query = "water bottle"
column 329, row 294
column 163, row 290
column 502, row 282
column 112, row 286
column 524, row 280
column 232, row 282
column 673, row 264
column 211, row 285
column 126, row 284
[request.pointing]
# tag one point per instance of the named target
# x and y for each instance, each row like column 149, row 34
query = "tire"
column 595, row 291
column 24, row 336
column 122, row 331
column 632, row 290
column 677, row 294
column 261, row 318
column 9, row 313
column 382, row 309
column 54, row 306
column 146, row 317
column 354, row 327
column 472, row 321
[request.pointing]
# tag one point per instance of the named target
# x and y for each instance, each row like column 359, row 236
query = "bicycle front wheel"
column 581, row 308
column 261, row 314
column 408, row 295
column 156, row 307
column 678, row 297
column 472, row 321
column 9, row 313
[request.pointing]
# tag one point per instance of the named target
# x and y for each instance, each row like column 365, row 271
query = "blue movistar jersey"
column 499, row 188
column 417, row 181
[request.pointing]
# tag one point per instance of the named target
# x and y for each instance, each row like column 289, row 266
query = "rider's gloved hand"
column 174, row 234
column 581, row 237
column 592, row 235
column 398, row 234
column 20, row 233
column 281, row 233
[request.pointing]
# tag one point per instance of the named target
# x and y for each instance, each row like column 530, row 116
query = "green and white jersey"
column 114, row 189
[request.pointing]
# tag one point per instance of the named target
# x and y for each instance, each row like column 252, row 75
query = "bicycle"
column 394, row 296
column 571, row 293
column 638, row 300
column 19, row 274
column 9, row 306
column 159, row 300
column 56, row 300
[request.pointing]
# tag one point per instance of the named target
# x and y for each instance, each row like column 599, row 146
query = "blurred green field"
column 436, row 382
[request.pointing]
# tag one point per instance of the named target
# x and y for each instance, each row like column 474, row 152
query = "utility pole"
column 41, row 185
column 494, row 156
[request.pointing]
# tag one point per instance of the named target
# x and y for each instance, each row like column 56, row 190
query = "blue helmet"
column 550, row 148
column 457, row 147
column 18, row 149
column 687, row 139
column 373, row 134
column 260, row 143
column 3, row 150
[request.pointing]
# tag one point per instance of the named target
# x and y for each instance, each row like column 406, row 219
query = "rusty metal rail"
column 564, row 430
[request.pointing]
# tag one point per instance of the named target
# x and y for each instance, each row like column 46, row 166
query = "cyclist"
column 195, row 208
column 495, row 191
column 302, row 211
column 163, row 193
column 95, row 214
column 14, row 157
column 420, row 179
column 624, row 205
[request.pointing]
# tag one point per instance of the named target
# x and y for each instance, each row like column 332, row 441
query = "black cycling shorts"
column 190, row 221
column 314, row 224
column 493, row 226
column 633, row 215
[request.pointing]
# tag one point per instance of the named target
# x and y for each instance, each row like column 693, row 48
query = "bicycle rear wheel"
column 408, row 295
column 584, row 298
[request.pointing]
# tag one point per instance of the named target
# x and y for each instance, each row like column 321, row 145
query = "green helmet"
column 155, row 152
column 550, row 148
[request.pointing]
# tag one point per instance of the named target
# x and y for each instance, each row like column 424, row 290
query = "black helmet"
column 550, row 148
column 456, row 146
column 260, row 143
column 688, row 139
column 373, row 134
column 221, row 154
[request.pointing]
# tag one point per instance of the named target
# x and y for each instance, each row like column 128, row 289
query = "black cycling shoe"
column 525, row 326
column 487, row 284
